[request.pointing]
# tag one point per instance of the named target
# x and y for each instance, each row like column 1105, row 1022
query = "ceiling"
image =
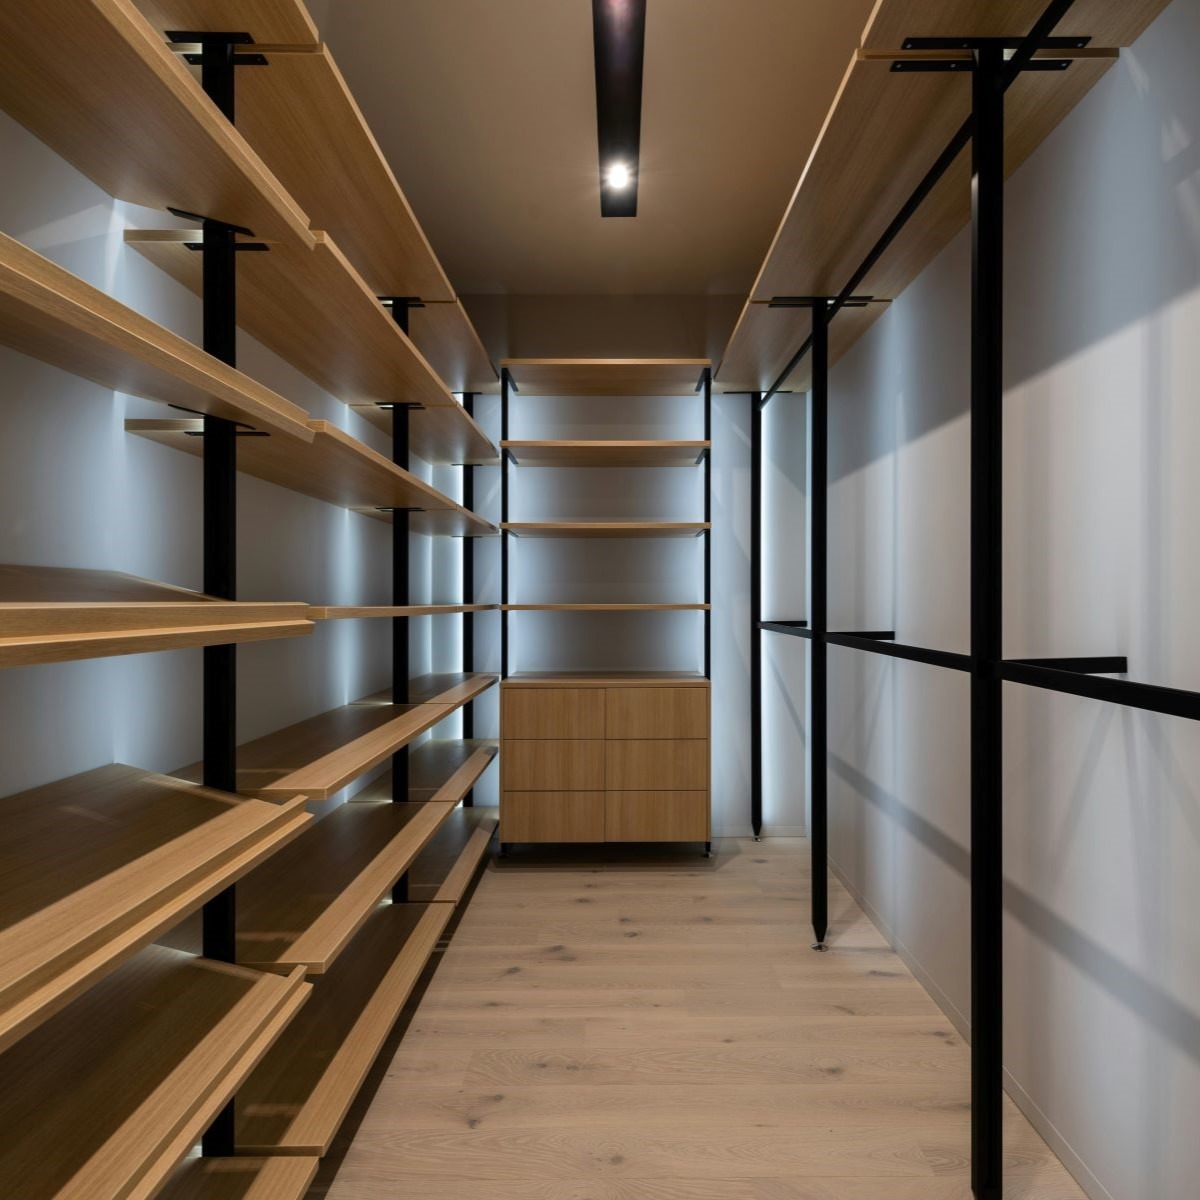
column 486, row 110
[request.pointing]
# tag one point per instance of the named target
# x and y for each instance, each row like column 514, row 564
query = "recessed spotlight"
column 618, row 176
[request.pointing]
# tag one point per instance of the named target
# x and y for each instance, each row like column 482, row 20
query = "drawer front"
column 647, row 712
column 552, row 766
column 656, row 816
column 552, row 712
column 552, row 817
column 656, row 766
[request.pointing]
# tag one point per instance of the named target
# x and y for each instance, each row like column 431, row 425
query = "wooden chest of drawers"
column 604, row 758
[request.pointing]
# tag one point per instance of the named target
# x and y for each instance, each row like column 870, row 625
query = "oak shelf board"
column 63, row 614
column 606, row 376
column 443, row 871
column 1107, row 22
column 578, row 679
column 109, row 1095
column 313, row 309
column 453, row 688
column 606, row 607
column 98, row 865
column 606, row 453
column 439, row 435
column 344, row 612
column 882, row 134
column 284, row 22
column 52, row 315
column 333, row 467
column 606, row 529
column 441, row 770
column 304, row 905
column 300, row 1093
column 282, row 1178
column 97, row 84
column 320, row 755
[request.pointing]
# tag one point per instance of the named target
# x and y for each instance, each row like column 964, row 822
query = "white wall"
column 1102, row 804
column 76, row 490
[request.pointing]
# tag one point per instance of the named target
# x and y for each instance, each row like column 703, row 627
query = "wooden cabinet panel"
column 656, row 816
column 670, row 712
column 552, row 712
column 547, row 766
column 552, row 817
column 656, row 765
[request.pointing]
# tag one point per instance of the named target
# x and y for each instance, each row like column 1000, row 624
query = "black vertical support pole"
column 756, row 739
column 468, row 592
column 504, row 386
column 818, row 588
column 219, row 256
column 708, row 521
column 401, row 596
column 987, row 395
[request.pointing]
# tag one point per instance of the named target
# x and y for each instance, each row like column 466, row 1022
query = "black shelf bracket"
column 468, row 592
column 400, row 307
column 507, row 385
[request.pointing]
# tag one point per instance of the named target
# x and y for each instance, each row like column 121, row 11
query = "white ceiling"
column 486, row 111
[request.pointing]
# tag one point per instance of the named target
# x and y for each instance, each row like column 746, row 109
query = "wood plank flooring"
column 651, row 1025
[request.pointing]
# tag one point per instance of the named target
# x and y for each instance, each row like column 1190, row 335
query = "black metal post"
column 504, row 536
column 987, row 395
column 817, row 619
column 756, row 738
column 707, row 381
column 468, row 593
column 219, row 259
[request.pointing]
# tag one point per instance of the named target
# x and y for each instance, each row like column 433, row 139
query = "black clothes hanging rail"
column 997, row 63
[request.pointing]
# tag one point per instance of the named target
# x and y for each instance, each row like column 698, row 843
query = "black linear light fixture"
column 619, row 33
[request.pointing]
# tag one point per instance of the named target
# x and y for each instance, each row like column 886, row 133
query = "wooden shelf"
column 101, row 863
column 305, row 904
column 59, row 614
column 108, row 1096
column 444, row 870
column 312, row 309
column 883, row 133
column 284, row 1178
column 333, row 467
column 286, row 22
column 438, row 435
column 559, row 679
column 97, row 84
column 605, row 607
column 300, row 1093
column 335, row 612
column 605, row 529
column 50, row 314
column 452, row 687
column 606, row 453
column 606, row 376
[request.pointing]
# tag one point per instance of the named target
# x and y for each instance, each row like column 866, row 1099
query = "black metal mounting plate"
column 814, row 301
column 239, row 60
column 191, row 216
column 202, row 36
column 402, row 301
column 238, row 246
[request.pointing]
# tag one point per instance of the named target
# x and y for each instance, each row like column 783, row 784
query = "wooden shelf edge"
column 282, row 1178
column 456, row 883
column 26, row 1010
column 605, row 607
column 314, row 1127
column 558, row 679
column 614, row 529
column 350, row 612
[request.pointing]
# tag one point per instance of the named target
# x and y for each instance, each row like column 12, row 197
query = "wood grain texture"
column 296, row 1099
column 613, row 1024
column 106, row 1098
column 561, row 712
column 444, row 869
column 605, row 529
column 242, row 1179
column 657, row 816
column 554, row 766
column 596, row 453
column 315, row 311
column 602, row 679
column 55, row 316
column 656, row 713
column 1106, row 22
column 60, row 614
column 282, row 21
column 98, row 865
column 606, row 376
column 343, row 612
column 96, row 83
column 438, row 434
column 645, row 766
column 552, row 816
column 605, row 607
column 332, row 466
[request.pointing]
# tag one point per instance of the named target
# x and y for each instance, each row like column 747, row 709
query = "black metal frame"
column 706, row 386
column 468, row 592
column 506, row 384
column 992, row 74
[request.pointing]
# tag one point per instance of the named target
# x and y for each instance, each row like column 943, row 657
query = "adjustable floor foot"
column 708, row 849
column 820, row 947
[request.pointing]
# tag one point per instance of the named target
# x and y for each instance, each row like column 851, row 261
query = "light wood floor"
column 658, row 1029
